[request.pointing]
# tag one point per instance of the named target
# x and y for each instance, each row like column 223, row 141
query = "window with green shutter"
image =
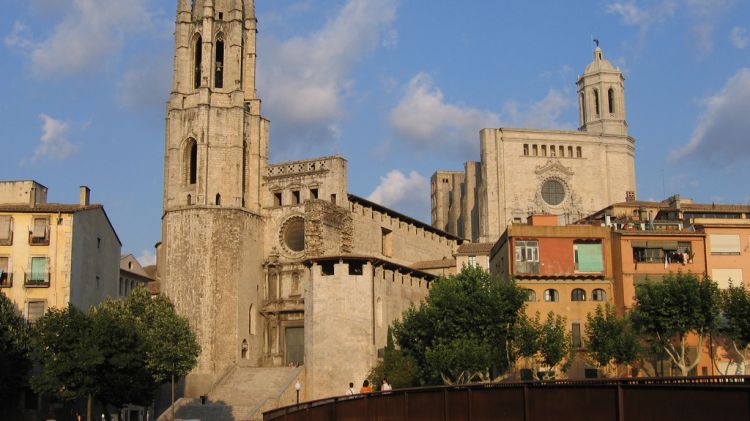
column 588, row 257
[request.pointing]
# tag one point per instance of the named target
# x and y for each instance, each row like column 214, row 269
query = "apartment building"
column 53, row 254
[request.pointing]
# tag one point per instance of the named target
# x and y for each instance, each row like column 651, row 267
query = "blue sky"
column 398, row 87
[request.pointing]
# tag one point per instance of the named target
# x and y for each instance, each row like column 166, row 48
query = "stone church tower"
column 211, row 254
column 524, row 171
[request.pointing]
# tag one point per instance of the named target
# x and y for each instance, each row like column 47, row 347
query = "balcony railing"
column 529, row 268
column 39, row 241
column 8, row 241
column 6, row 280
column 36, row 280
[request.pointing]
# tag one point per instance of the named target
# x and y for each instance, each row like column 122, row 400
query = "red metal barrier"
column 665, row 398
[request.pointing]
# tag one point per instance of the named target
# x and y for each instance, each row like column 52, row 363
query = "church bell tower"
column 217, row 142
column 601, row 97
column 209, row 259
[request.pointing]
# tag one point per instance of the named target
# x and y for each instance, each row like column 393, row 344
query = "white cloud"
column 89, row 32
column 643, row 17
column 704, row 14
column 308, row 78
column 408, row 194
column 19, row 36
column 147, row 258
column 721, row 133
column 55, row 144
column 543, row 114
column 739, row 37
column 424, row 118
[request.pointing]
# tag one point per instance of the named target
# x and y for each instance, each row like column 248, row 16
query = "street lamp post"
column 297, row 387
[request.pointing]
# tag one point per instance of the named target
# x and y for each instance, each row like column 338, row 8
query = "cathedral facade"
column 529, row 171
column 274, row 265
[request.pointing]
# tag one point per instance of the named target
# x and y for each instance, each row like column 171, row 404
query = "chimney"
column 85, row 196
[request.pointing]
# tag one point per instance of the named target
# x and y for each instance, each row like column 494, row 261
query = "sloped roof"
column 434, row 264
column 475, row 248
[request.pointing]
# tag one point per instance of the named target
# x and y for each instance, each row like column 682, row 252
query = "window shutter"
column 725, row 243
column 589, row 258
column 38, row 268
column 40, row 228
column 5, row 227
column 576, row 335
column 35, row 310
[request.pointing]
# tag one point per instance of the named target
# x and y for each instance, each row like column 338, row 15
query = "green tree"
column 171, row 347
column 63, row 345
column 123, row 374
column 461, row 331
column 399, row 368
column 734, row 327
column 545, row 346
column 14, row 348
column 610, row 340
column 670, row 311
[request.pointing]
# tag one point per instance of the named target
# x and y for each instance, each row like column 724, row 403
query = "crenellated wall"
column 347, row 314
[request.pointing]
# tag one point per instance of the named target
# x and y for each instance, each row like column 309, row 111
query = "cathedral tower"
column 216, row 153
column 601, row 97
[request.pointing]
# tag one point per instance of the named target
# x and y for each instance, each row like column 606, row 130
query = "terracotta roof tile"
column 434, row 264
column 478, row 248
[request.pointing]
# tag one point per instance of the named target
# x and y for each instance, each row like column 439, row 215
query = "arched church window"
column 198, row 51
column 251, row 320
column 190, row 199
column 218, row 199
column 596, row 101
column 192, row 161
column 611, row 100
column 583, row 108
column 219, row 63
column 553, row 192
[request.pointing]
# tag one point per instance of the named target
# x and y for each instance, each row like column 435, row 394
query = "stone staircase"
column 242, row 395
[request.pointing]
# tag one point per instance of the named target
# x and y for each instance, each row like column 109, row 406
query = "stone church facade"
column 528, row 171
column 274, row 265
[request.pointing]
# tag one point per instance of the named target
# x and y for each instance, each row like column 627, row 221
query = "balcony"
column 527, row 268
column 8, row 240
column 6, row 280
column 36, row 280
column 38, row 241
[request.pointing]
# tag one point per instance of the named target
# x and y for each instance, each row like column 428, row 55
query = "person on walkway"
column 352, row 390
column 366, row 388
column 385, row 386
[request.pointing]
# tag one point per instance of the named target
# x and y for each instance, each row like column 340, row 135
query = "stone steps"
column 241, row 395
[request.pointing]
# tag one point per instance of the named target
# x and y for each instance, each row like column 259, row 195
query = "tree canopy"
column 545, row 345
column 65, row 348
column 610, row 339
column 118, row 353
column 14, row 348
column 461, row 331
column 669, row 311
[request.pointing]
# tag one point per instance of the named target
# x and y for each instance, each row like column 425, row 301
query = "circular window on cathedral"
column 293, row 233
column 553, row 192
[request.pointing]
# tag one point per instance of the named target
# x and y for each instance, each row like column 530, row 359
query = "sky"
column 400, row 88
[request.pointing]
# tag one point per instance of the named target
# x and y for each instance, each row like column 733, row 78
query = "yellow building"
column 52, row 254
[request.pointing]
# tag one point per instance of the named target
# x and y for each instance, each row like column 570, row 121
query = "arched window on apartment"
column 578, row 295
column 551, row 295
column 599, row 295
column 530, row 295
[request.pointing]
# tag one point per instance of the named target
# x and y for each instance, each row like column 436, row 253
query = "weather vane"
column 596, row 41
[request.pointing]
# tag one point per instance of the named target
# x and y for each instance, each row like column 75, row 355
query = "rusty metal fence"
column 671, row 398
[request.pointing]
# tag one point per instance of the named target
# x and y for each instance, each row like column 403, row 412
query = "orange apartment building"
column 565, row 269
